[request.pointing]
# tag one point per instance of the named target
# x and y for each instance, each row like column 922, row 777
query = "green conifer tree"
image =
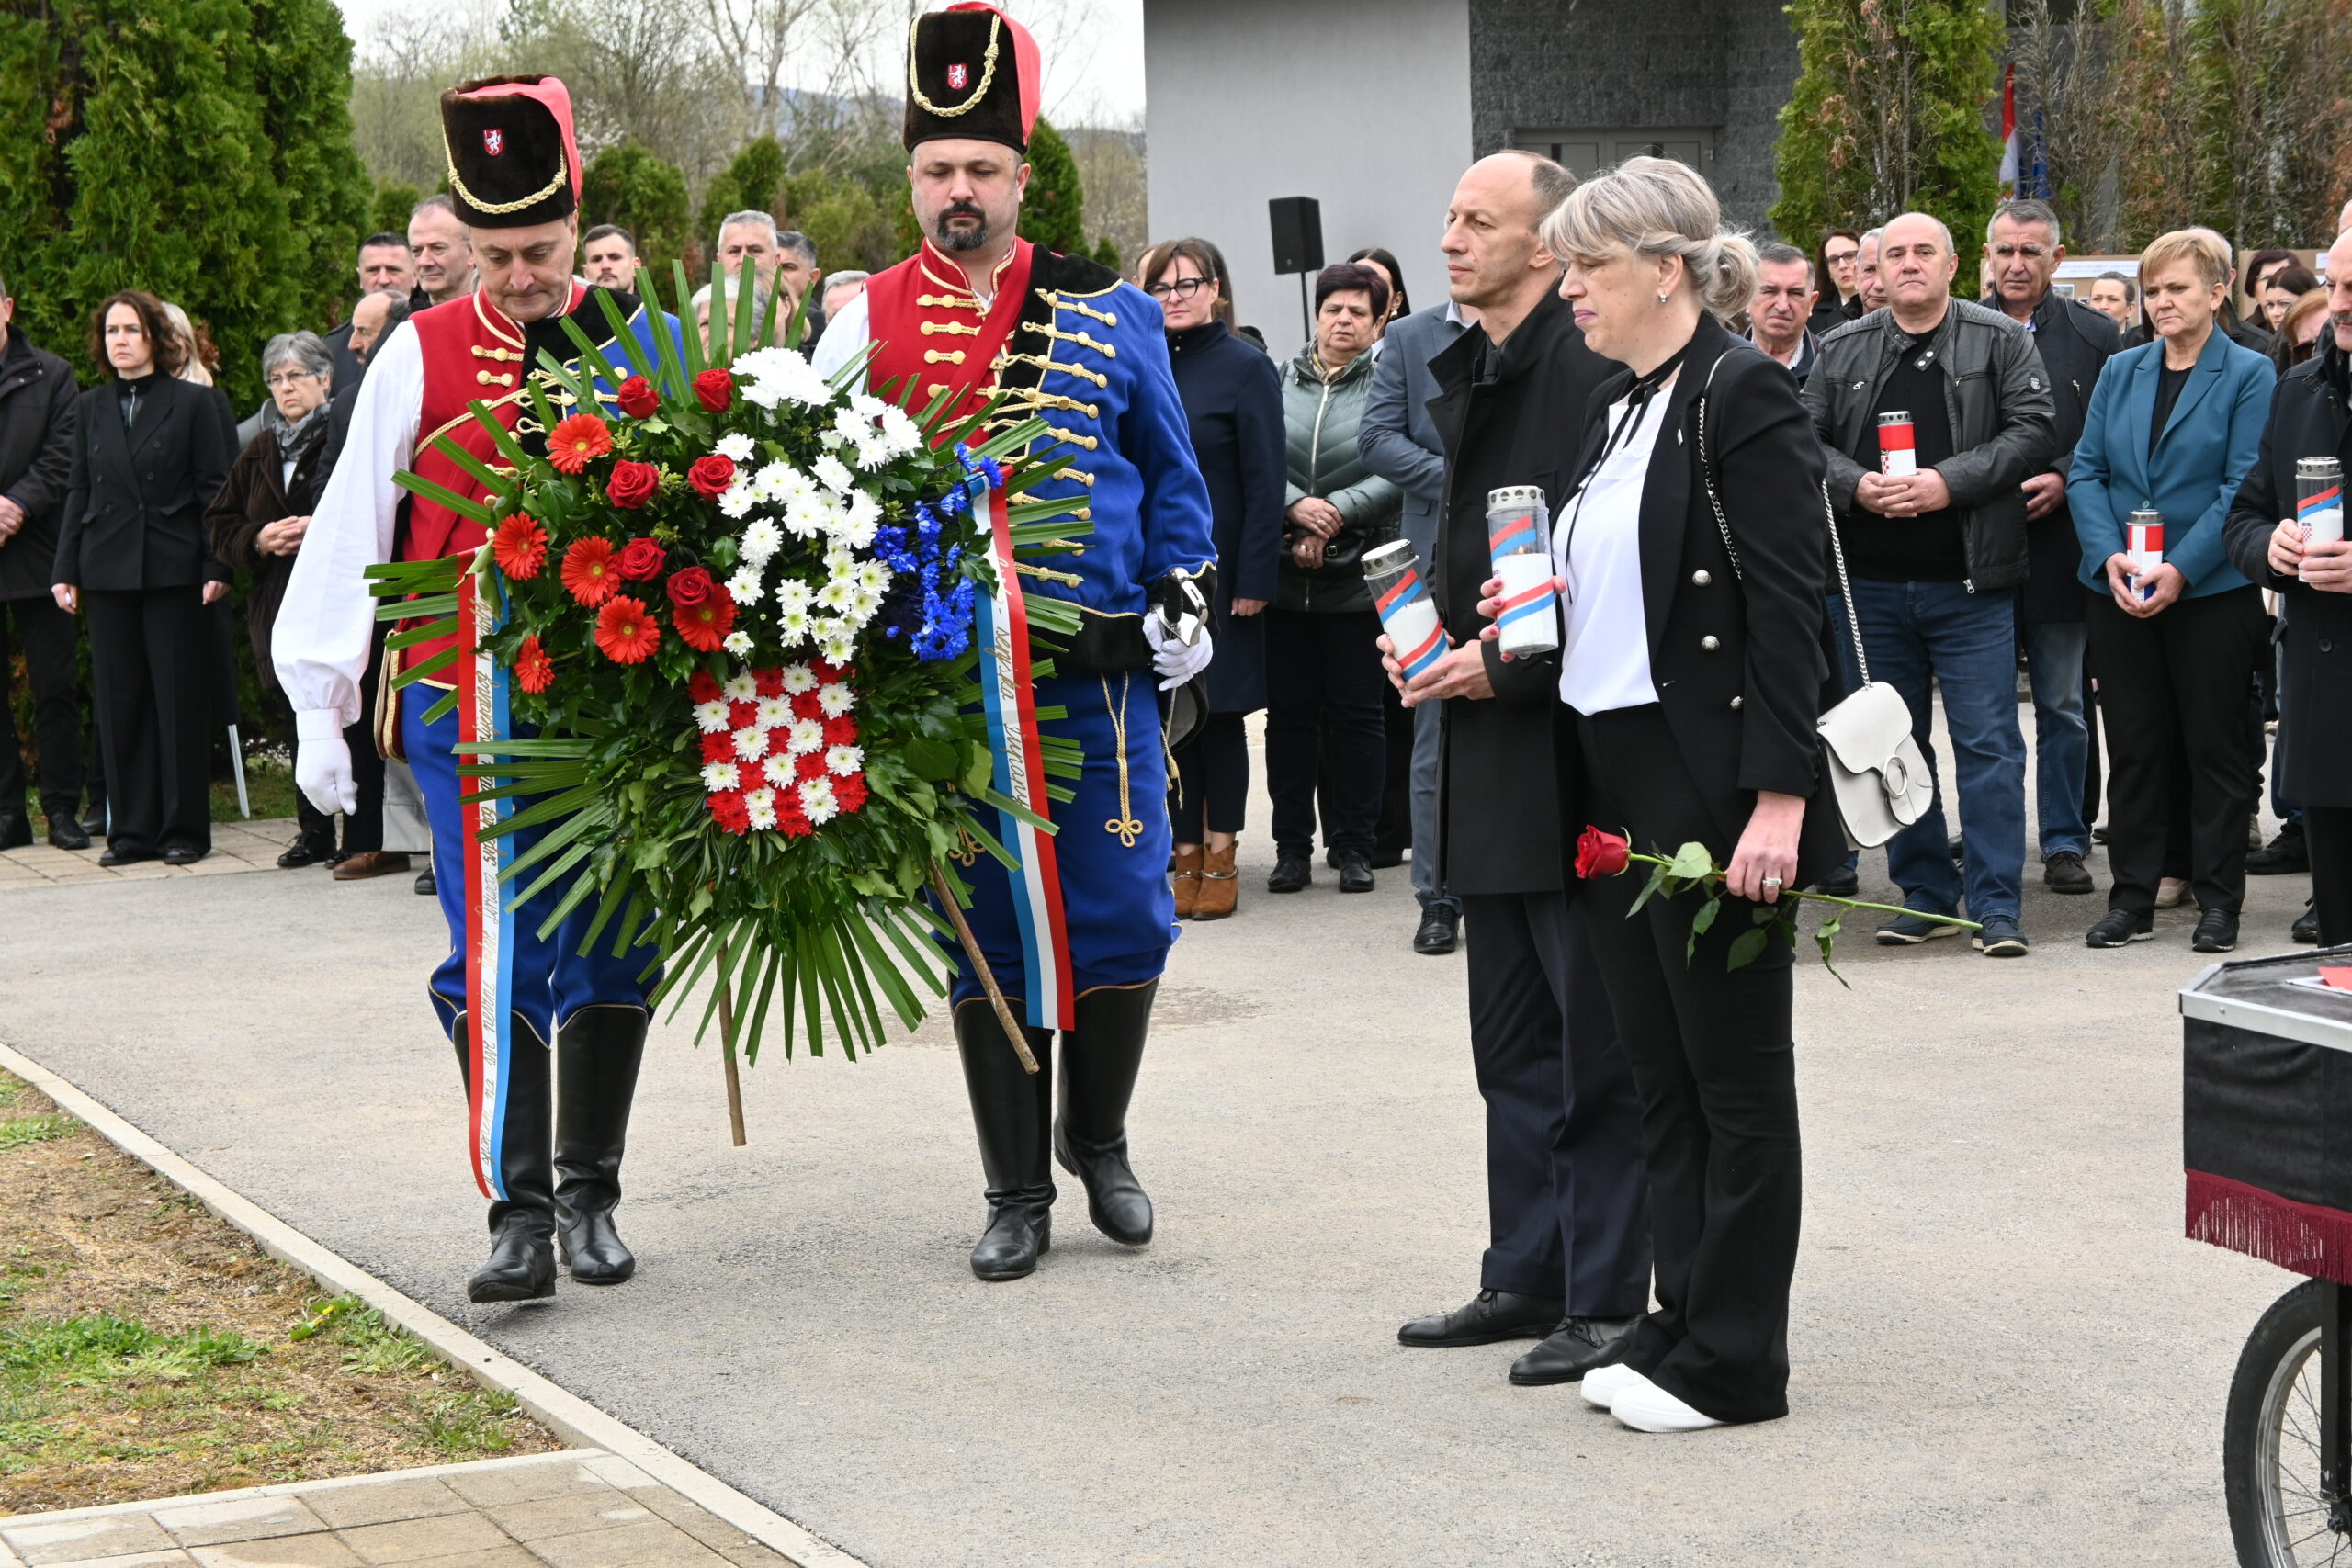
column 1053, row 210
column 630, row 185
column 387, row 212
column 753, row 181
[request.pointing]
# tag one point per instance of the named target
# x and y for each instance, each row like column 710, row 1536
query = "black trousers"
column 48, row 636
column 150, row 660
column 2174, row 690
column 2327, row 833
column 1323, row 678
column 363, row 830
column 1565, row 1214
column 1211, row 780
column 1394, row 836
column 1712, row 1053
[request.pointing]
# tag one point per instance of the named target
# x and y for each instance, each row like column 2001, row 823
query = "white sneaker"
column 1603, row 1385
column 1646, row 1407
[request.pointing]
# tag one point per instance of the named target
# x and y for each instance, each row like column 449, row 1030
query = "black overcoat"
column 134, row 508
column 1513, row 421
column 36, row 410
column 2076, row 342
column 1233, row 405
column 256, row 496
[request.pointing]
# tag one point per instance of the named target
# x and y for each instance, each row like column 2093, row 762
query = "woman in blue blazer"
column 2173, row 427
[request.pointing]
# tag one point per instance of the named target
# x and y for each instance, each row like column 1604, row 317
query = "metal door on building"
column 1587, row 152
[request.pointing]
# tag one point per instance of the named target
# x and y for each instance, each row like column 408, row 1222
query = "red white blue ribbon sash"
column 490, row 924
column 1009, row 694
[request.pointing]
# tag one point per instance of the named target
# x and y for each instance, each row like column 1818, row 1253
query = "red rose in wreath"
column 712, row 475
column 636, row 397
column 632, row 484
column 642, row 560
column 626, row 632
column 715, row 389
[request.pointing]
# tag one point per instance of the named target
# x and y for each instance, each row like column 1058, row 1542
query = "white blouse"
column 1596, row 547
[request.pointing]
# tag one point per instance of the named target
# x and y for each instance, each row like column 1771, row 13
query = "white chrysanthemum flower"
column 744, row 587
column 835, row 595
column 735, row 448
column 792, row 626
column 817, row 800
column 740, row 644
column 799, row 678
column 863, row 513
column 833, row 474
column 742, row 687
column 719, row 775
column 863, row 604
column 839, row 562
column 844, row 760
column 865, row 405
column 835, row 698
column 761, row 541
column 773, row 713
column 873, row 577
column 806, row 516
column 780, row 770
column 793, row 594
column 900, row 433
column 853, row 425
column 840, row 646
column 760, row 806
column 872, row 452
column 710, row 717
column 808, row 735
column 736, row 501
column 772, row 376
column 752, row 743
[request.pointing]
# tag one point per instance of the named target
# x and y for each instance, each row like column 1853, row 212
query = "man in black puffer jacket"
column 37, row 394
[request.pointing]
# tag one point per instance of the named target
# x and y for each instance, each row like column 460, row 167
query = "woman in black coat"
column 1693, row 671
column 150, row 452
column 1233, row 404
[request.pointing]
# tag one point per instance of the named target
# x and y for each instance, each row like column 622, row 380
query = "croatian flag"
column 2010, row 162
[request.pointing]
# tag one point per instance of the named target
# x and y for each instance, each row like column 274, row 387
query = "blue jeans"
column 2061, row 735
column 1967, row 643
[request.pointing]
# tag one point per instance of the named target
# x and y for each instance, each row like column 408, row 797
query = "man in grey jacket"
column 1933, row 525
column 1398, row 442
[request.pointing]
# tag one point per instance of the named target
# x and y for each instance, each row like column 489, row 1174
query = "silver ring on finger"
column 1772, row 884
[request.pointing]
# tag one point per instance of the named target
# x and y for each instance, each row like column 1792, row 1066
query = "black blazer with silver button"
column 134, row 507
column 1738, row 654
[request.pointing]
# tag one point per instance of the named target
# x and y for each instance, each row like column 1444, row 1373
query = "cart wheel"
column 2271, row 1444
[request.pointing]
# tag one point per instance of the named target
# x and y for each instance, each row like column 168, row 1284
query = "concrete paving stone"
column 142, row 871
column 494, row 1557
column 384, row 1501
column 412, row 1541
column 751, row 1554
column 9, row 1559
column 73, row 1541
column 281, row 1551
column 172, row 1559
column 528, row 1482
column 245, row 1518
column 697, row 1521
column 567, row 1515
column 655, row 1543
column 217, row 864
column 614, row 1471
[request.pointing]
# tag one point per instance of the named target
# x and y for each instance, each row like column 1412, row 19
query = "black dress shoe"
column 16, row 830
column 1291, row 873
column 1487, row 1317
column 2216, row 931
column 522, row 1260
column 2063, row 872
column 1843, row 882
column 1440, row 929
column 2287, row 855
column 185, row 854
column 2306, row 927
column 305, row 851
column 1575, row 1348
column 64, row 833
column 426, row 886
column 1018, row 1234
column 1355, row 872
column 114, row 856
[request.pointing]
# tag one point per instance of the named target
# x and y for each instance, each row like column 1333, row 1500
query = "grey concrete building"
column 1373, row 107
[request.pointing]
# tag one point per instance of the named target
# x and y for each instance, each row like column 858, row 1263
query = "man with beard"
column 1080, row 936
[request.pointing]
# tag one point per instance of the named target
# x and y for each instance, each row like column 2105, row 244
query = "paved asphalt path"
column 2005, row 1352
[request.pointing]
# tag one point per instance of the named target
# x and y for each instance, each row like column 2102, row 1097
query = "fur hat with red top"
column 512, row 162
column 971, row 72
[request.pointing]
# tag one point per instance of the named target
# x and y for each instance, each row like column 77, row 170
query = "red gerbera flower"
column 703, row 686
column 727, row 809
column 842, row 731
column 769, row 681
column 849, row 794
column 520, row 546
column 806, row 705
column 704, row 627
column 791, row 819
column 740, row 715
column 588, row 571
column 718, row 748
column 577, row 441
column 534, row 671
column 626, row 632
column 809, row 765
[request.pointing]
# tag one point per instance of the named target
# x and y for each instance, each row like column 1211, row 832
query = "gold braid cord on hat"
column 988, row 72
column 562, row 175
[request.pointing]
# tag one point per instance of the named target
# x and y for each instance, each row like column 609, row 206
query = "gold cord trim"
column 988, row 72
column 950, row 301
column 1072, row 437
column 1124, row 826
column 498, row 353
column 954, row 329
column 562, row 178
column 1036, row 402
column 1104, row 349
column 484, row 378
column 943, row 356
column 1060, row 302
column 1047, row 362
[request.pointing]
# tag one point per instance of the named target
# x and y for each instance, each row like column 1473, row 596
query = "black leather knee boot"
column 597, row 1051
column 1010, row 1107
column 522, row 1225
column 1100, row 1060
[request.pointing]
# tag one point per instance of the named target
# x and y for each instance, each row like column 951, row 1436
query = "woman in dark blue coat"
column 1233, row 403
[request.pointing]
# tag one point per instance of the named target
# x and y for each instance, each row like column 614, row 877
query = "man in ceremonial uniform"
column 1083, row 933
column 552, row 1178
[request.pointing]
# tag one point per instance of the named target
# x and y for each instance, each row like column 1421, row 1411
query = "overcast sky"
column 1094, row 53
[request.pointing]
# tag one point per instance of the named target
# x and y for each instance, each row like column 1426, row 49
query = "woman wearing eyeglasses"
column 1233, row 404
column 1837, row 273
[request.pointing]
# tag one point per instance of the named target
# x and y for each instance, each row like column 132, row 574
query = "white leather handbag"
column 1876, row 769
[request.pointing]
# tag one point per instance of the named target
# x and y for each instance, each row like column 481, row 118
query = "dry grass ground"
column 148, row 1350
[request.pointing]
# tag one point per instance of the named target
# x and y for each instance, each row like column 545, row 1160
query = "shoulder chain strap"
column 1829, row 514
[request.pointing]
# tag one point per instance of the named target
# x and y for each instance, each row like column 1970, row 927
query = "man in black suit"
column 1570, row 1254
column 37, row 394
column 386, row 266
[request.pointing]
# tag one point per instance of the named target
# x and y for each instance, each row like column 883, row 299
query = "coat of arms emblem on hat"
column 494, row 141
column 957, row 75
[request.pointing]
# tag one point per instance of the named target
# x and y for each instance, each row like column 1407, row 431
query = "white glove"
column 1175, row 661
column 323, row 761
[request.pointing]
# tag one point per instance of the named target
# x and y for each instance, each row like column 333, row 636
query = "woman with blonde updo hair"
column 1692, row 670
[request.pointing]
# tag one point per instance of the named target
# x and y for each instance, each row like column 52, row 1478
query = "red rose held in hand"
column 712, row 475
column 636, row 397
column 691, row 589
column 642, row 560
column 632, row 484
column 715, row 389
column 1599, row 854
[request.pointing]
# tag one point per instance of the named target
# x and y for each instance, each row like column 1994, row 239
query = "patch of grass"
column 373, row 1348
column 73, row 1347
column 467, row 1423
column 35, row 1130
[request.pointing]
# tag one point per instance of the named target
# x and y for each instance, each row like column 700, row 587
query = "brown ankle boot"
column 1187, row 878
column 1220, row 886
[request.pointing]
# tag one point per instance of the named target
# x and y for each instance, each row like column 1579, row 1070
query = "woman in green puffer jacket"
column 1322, row 662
